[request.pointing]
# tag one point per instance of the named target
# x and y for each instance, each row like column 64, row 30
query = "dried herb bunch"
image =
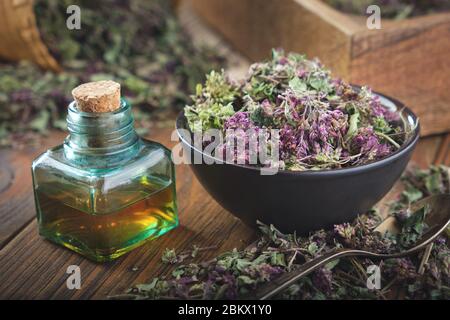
column 323, row 122
column 397, row 9
column 137, row 43
column 238, row 272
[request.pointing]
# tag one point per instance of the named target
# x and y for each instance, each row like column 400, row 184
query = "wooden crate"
column 408, row 60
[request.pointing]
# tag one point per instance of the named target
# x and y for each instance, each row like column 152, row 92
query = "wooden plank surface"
column 33, row 268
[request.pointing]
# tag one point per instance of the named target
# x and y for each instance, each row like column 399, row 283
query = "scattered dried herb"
column 137, row 43
column 171, row 257
column 238, row 272
column 396, row 9
column 323, row 123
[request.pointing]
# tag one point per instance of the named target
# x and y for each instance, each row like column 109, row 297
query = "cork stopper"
column 98, row 96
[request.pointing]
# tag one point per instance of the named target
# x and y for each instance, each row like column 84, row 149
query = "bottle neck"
column 100, row 140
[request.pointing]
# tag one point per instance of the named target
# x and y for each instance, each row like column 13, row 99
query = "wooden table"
column 33, row 268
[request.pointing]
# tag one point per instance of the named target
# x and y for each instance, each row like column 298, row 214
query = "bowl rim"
column 405, row 148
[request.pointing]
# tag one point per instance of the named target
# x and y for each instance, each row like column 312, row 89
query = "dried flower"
column 345, row 231
column 324, row 123
column 322, row 279
column 238, row 272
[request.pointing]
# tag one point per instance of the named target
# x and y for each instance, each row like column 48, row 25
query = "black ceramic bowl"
column 301, row 201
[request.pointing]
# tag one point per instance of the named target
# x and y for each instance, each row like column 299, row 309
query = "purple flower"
column 243, row 139
column 322, row 279
column 185, row 281
column 232, row 290
column 367, row 143
column 378, row 110
column 207, row 289
column 288, row 141
column 345, row 231
column 21, row 96
column 440, row 241
column 59, row 97
column 291, row 109
column 268, row 272
column 383, row 150
column 283, row 61
column 302, row 149
column 267, row 107
column 403, row 268
column 240, row 120
column 219, row 269
column 302, row 73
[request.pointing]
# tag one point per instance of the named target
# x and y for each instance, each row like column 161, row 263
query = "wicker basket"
column 19, row 35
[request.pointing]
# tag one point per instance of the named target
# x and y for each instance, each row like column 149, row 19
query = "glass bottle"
column 105, row 190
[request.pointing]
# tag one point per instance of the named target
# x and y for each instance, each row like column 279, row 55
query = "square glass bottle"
column 105, row 190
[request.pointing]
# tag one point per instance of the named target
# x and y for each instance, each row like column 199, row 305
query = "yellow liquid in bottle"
column 148, row 210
